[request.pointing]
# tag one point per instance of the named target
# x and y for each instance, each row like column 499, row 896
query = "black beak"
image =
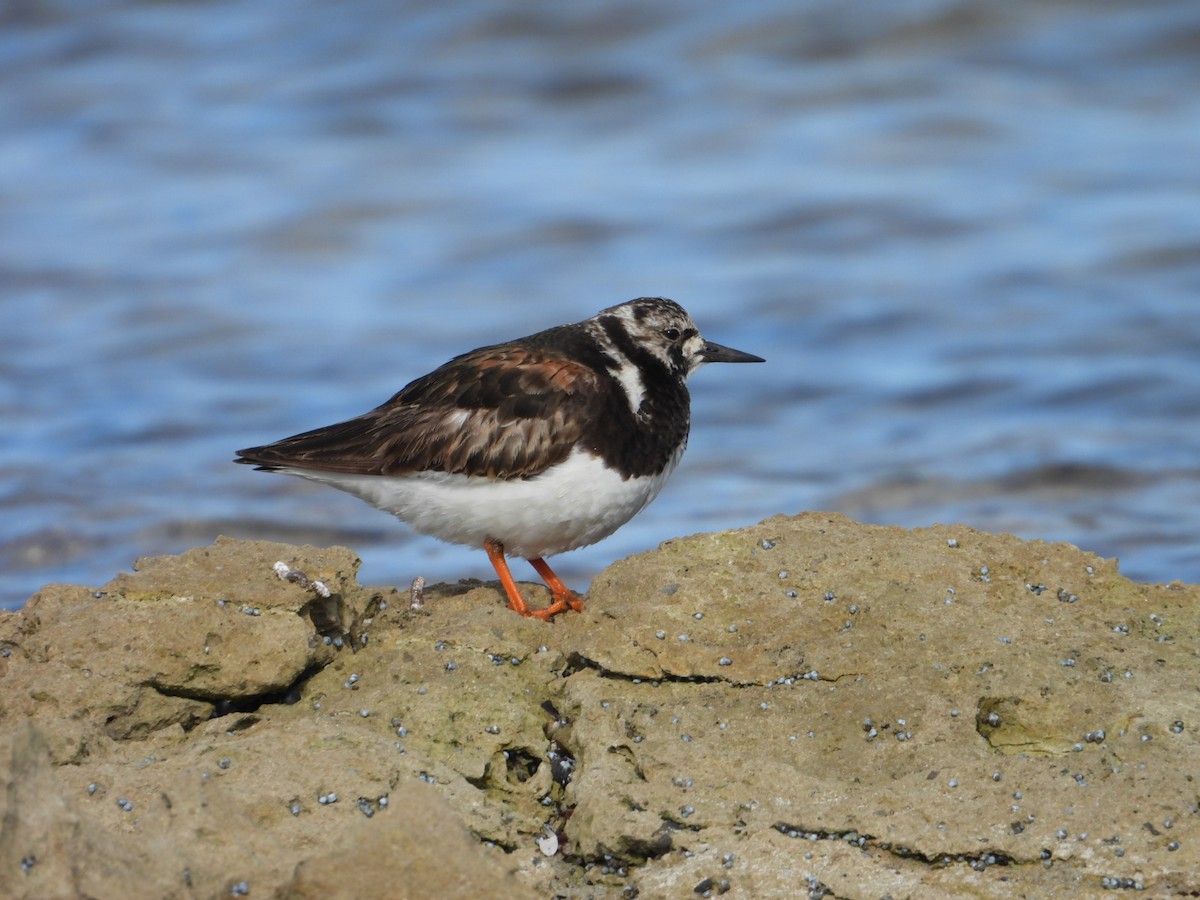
column 716, row 353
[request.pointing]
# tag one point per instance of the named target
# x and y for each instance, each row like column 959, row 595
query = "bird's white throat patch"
column 630, row 378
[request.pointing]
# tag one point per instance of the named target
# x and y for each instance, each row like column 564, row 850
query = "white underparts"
column 571, row 505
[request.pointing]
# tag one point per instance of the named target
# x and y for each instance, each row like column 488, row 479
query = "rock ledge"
column 805, row 705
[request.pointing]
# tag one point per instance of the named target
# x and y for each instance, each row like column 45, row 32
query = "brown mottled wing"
column 503, row 412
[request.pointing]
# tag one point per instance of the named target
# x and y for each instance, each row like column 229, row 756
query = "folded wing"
column 499, row 412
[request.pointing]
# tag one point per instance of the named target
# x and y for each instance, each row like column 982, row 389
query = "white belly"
column 569, row 506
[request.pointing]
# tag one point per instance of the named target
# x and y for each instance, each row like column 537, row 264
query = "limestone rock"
column 419, row 850
column 808, row 704
column 171, row 642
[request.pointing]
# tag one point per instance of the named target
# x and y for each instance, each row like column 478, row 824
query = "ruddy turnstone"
column 528, row 448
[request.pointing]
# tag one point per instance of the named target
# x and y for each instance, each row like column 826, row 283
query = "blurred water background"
column 965, row 234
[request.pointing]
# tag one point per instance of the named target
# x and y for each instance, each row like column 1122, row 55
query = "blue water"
column 964, row 234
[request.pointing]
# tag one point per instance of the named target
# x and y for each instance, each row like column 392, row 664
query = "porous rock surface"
column 808, row 707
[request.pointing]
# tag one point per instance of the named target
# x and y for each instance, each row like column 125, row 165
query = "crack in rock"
column 226, row 704
column 578, row 661
column 979, row 861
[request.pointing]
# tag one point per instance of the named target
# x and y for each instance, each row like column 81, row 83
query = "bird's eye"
column 671, row 334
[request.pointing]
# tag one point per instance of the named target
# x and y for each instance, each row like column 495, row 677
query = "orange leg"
column 495, row 552
column 564, row 597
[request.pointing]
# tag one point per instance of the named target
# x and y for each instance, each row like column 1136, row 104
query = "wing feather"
column 501, row 412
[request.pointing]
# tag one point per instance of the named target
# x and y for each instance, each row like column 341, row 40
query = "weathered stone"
column 48, row 847
column 171, row 642
column 805, row 705
column 420, row 849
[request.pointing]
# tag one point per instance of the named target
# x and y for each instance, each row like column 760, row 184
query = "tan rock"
column 805, row 705
column 419, row 850
column 48, row 847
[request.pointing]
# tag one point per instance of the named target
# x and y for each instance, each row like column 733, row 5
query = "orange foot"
column 564, row 597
